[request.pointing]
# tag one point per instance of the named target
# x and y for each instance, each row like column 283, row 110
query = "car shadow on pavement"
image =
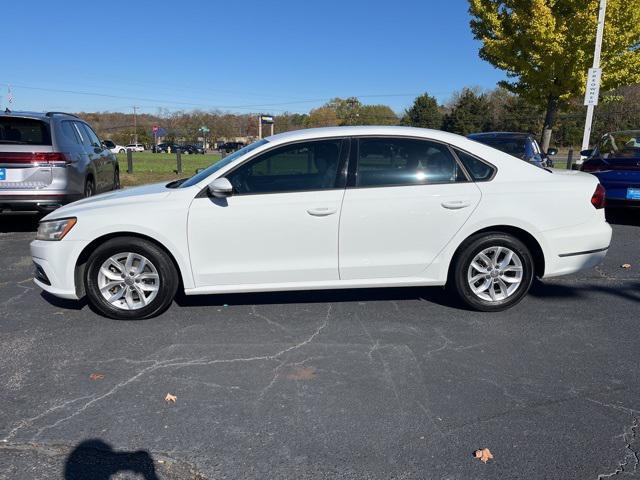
column 19, row 222
column 622, row 216
column 95, row 459
column 63, row 302
column 437, row 295
column 630, row 291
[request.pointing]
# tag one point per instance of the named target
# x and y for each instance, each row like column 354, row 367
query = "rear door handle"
column 321, row 212
column 455, row 204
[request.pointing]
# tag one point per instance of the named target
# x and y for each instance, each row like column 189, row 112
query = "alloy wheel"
column 495, row 273
column 128, row 281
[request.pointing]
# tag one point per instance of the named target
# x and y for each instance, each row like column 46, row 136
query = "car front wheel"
column 129, row 278
column 492, row 272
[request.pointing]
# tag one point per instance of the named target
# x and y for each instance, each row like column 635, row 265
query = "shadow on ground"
column 19, row 222
column 95, row 459
column 436, row 295
column 624, row 216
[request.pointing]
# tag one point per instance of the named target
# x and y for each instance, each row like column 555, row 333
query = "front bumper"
column 57, row 261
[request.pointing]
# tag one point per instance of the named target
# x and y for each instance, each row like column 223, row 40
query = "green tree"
column 376, row 115
column 469, row 113
column 425, row 112
column 546, row 47
column 322, row 117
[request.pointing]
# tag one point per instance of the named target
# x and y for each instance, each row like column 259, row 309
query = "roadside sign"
column 266, row 119
column 204, row 129
column 593, row 86
column 155, row 129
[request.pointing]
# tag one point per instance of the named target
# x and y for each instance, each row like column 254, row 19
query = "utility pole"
column 135, row 124
column 260, row 126
column 593, row 78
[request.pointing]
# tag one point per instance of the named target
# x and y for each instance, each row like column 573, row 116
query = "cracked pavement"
column 396, row 383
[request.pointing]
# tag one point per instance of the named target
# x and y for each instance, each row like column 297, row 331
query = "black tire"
column 116, row 179
column 459, row 277
column 89, row 187
column 168, row 278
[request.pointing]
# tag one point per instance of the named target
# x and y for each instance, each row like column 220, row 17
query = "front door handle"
column 321, row 212
column 455, row 204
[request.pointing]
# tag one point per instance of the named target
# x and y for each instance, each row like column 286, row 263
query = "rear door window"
column 24, row 131
column 403, row 161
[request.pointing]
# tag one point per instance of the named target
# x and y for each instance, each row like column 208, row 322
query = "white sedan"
column 329, row 208
column 135, row 147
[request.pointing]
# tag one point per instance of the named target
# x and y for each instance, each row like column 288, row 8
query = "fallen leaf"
column 304, row 373
column 626, row 265
column 170, row 398
column 484, row 454
column 96, row 376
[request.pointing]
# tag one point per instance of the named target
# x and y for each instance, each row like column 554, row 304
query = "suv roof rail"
column 51, row 114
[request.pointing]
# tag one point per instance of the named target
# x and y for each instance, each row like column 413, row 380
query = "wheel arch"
column 525, row 237
column 81, row 262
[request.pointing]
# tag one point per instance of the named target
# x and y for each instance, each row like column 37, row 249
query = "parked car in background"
column 136, row 147
column 229, row 147
column 49, row 159
column 616, row 162
column 165, row 147
column 193, row 149
column 114, row 147
column 521, row 145
column 342, row 207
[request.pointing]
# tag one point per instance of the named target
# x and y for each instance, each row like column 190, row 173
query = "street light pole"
column 593, row 80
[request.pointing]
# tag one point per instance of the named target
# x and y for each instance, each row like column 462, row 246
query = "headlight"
column 54, row 229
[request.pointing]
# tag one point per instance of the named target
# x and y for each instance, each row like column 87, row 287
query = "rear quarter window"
column 24, row 131
column 479, row 170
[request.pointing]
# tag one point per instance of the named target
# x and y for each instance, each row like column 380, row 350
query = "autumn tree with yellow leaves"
column 546, row 47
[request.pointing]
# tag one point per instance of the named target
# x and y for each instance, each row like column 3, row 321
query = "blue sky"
column 244, row 56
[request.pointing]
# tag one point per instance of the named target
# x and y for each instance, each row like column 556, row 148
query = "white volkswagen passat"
column 329, row 208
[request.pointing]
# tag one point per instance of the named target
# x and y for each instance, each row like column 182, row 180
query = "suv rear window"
column 24, row 131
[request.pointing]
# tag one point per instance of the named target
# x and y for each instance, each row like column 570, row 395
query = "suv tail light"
column 598, row 197
column 38, row 158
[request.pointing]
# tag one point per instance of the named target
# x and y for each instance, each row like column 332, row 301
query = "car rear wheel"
column 116, row 179
column 492, row 272
column 129, row 278
column 89, row 188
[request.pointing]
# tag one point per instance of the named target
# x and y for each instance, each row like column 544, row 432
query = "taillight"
column 598, row 199
column 37, row 158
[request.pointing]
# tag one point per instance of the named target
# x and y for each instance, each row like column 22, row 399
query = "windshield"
column 620, row 145
column 198, row 177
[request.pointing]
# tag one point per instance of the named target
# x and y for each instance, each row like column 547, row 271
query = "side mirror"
column 220, row 188
column 586, row 153
column 552, row 151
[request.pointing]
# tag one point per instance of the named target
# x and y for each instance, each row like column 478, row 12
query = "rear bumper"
column 42, row 202
column 576, row 248
column 619, row 203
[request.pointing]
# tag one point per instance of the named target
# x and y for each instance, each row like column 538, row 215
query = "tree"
column 376, row 115
column 469, row 113
column 512, row 113
column 424, row 113
column 322, row 117
column 546, row 47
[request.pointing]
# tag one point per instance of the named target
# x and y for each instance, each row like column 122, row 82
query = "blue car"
column 521, row 145
column 616, row 163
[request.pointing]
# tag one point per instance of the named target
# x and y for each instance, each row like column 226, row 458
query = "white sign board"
column 593, row 86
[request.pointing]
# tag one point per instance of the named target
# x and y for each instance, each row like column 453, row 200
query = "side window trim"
column 355, row 155
column 343, row 162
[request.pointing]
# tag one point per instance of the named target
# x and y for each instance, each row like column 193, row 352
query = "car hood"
column 137, row 195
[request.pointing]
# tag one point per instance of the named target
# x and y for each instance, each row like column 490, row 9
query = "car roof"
column 37, row 115
column 499, row 134
column 375, row 130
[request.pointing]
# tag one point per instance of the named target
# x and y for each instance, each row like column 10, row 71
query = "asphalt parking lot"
column 394, row 383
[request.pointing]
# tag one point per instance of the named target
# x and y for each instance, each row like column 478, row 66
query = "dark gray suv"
column 49, row 159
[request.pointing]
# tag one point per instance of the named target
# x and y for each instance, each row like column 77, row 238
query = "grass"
column 159, row 167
